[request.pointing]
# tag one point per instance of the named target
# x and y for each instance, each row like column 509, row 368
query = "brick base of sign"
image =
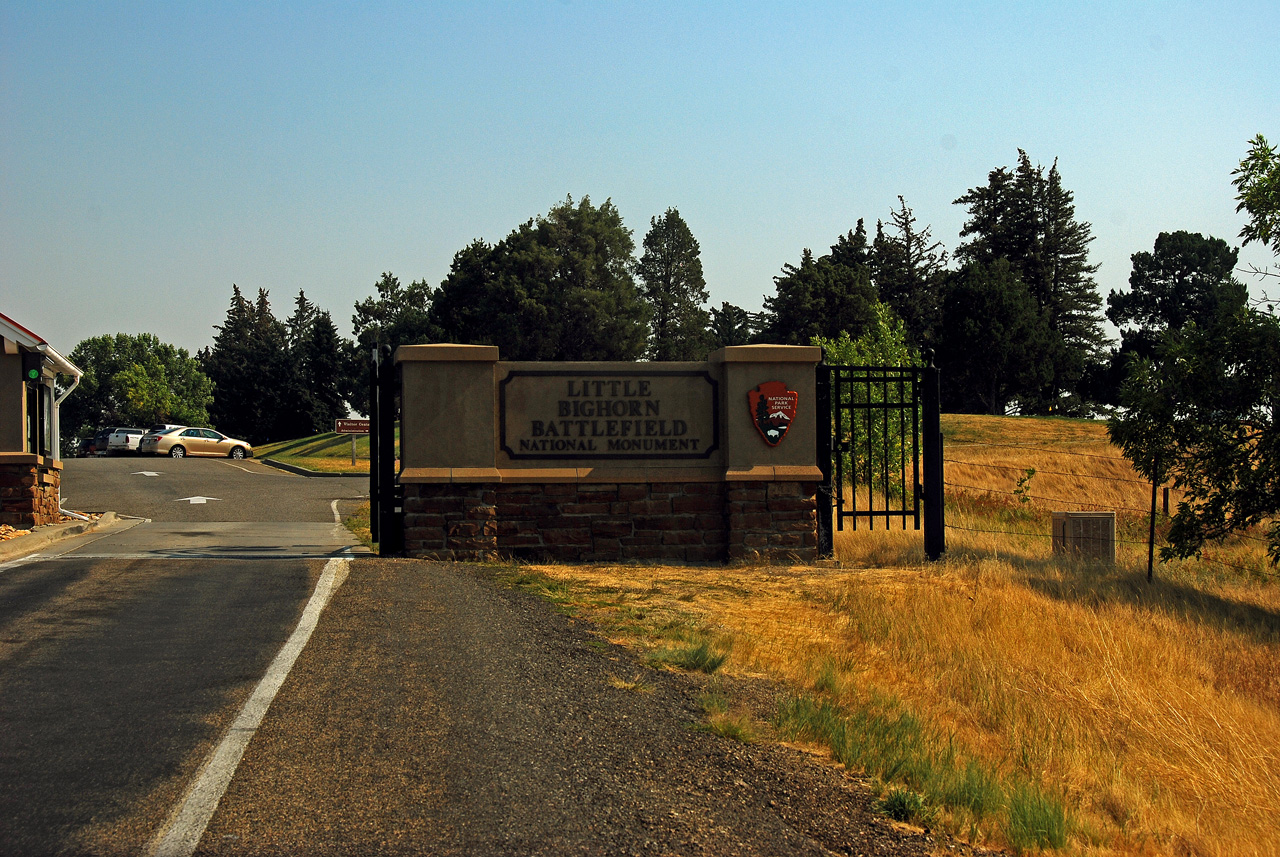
column 28, row 495
column 691, row 522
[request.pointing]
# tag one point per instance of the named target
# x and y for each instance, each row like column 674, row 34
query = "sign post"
column 353, row 428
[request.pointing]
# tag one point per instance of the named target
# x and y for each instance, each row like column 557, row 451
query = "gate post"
column 935, row 532
column 826, row 539
column 374, row 440
column 391, row 521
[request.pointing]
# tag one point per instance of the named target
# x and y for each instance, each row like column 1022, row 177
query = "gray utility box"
column 1087, row 535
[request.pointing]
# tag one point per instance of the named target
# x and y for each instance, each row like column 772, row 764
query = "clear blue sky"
column 152, row 154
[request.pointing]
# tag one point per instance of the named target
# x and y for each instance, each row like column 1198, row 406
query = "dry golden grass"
column 1153, row 710
column 1076, row 466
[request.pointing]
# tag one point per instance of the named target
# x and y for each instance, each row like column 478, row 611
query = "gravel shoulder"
column 435, row 712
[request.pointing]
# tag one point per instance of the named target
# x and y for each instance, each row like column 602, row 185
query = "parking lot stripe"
column 186, row 824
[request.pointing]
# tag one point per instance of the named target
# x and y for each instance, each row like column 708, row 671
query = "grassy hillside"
column 329, row 452
column 1011, row 696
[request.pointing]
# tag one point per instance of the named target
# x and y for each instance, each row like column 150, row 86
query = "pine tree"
column 249, row 366
column 323, row 357
column 993, row 344
column 672, row 285
column 908, row 269
column 731, row 325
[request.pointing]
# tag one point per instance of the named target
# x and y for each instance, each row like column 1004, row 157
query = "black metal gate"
column 877, row 426
column 386, row 495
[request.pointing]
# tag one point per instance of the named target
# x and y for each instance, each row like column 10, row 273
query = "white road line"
column 186, row 824
column 337, row 519
column 245, row 469
column 14, row 563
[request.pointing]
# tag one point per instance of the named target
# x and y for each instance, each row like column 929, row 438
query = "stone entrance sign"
column 606, row 461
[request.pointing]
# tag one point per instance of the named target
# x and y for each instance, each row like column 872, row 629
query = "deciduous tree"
column 1203, row 413
column 1205, row 410
column 819, row 297
column 558, row 287
column 135, row 380
column 1257, row 182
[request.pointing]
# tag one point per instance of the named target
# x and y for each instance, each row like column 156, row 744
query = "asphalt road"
column 432, row 711
column 126, row 654
column 162, row 489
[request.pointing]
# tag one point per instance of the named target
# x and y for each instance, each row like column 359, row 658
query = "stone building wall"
column 28, row 495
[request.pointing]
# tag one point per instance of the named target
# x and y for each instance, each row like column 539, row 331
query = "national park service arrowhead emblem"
column 773, row 407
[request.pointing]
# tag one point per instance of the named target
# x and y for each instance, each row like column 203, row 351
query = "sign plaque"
column 618, row 414
column 351, row 426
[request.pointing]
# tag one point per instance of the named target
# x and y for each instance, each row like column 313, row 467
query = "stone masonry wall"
column 28, row 495
column 773, row 520
column 693, row 522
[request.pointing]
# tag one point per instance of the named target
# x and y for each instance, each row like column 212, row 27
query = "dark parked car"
column 98, row 445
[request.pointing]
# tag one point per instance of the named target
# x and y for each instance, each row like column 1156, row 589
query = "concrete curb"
column 302, row 471
column 45, row 536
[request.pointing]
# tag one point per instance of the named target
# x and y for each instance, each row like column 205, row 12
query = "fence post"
column 935, row 532
column 826, row 539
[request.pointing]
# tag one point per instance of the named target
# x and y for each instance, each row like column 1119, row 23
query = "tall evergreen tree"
column 671, row 283
column 249, row 364
column 1027, row 217
column 311, row 395
column 851, row 249
column 993, row 340
column 909, row 272
column 322, row 358
column 731, row 325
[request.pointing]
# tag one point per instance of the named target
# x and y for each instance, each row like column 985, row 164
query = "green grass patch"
column 922, row 773
column 360, row 524
column 905, row 805
column 558, row 592
column 697, row 657
column 722, row 720
column 329, row 452
column 1036, row 820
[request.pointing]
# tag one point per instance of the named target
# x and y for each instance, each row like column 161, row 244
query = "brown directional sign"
column 351, row 426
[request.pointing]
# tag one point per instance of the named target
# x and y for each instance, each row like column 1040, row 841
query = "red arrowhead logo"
column 773, row 407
